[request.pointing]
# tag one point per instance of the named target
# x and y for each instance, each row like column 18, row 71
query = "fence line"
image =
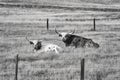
column 17, row 62
column 90, row 19
column 80, row 19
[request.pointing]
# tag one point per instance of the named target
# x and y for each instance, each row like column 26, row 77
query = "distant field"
column 65, row 1
column 17, row 22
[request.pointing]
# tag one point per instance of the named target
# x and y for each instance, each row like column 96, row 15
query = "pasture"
column 100, row 64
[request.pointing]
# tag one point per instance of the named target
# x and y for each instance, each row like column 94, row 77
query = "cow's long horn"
column 27, row 39
column 72, row 32
column 56, row 31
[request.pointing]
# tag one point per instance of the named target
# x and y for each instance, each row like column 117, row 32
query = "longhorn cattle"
column 77, row 41
column 44, row 47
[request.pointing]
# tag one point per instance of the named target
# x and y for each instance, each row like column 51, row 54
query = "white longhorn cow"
column 44, row 47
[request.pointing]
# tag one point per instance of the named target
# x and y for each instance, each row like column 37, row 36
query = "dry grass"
column 16, row 23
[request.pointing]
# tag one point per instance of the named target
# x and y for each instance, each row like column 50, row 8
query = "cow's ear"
column 89, row 39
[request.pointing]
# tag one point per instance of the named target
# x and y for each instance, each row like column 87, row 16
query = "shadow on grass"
column 33, row 58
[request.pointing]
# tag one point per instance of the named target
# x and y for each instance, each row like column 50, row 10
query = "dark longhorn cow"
column 77, row 41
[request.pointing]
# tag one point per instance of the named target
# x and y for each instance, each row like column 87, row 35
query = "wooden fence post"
column 16, row 67
column 47, row 24
column 94, row 25
column 82, row 68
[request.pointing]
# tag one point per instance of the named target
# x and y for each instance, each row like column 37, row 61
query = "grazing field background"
column 18, row 19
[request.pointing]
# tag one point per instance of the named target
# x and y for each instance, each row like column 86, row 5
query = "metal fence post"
column 16, row 67
column 94, row 25
column 82, row 68
column 47, row 24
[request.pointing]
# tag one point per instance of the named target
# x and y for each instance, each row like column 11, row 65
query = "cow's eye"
column 60, row 35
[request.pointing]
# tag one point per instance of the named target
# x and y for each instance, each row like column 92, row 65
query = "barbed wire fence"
column 17, row 73
column 94, row 23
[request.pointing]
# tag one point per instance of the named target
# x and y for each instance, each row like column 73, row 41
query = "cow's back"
column 79, row 41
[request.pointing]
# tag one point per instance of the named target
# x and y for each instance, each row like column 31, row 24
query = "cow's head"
column 32, row 42
column 91, row 43
column 64, row 34
column 37, row 44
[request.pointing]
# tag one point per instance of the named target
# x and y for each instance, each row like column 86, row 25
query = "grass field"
column 100, row 64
